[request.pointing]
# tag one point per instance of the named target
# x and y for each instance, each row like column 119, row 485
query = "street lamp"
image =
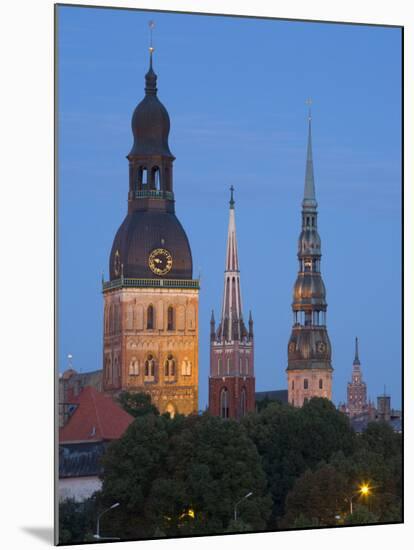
column 363, row 491
column 238, row 502
column 98, row 536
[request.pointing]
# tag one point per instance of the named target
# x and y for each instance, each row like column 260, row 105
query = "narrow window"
column 247, row 365
column 224, row 403
column 144, row 176
column 219, row 366
column 170, row 318
column 320, row 384
column 293, row 384
column 243, row 402
column 149, row 370
column 228, row 366
column 156, row 177
column 150, row 317
column 169, row 367
column 305, row 384
column 241, row 365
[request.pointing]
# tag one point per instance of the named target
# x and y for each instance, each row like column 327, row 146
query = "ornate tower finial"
column 151, row 25
column 231, row 197
column 151, row 77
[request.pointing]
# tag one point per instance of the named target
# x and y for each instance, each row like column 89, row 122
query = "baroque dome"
column 150, row 122
column 309, row 289
column 140, row 233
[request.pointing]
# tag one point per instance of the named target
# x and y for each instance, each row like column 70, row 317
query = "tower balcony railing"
column 153, row 194
column 125, row 282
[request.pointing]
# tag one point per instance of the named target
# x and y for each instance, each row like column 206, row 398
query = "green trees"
column 291, row 440
column 183, row 476
column 322, row 494
column 137, row 403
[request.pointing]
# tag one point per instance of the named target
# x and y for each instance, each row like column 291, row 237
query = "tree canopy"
column 184, row 476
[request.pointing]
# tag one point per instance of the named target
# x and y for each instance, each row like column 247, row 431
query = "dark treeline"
column 184, row 476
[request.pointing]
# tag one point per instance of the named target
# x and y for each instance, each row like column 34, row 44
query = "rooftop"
column 96, row 418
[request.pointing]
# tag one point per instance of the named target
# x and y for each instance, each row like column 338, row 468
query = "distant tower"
column 357, row 389
column 231, row 382
column 309, row 368
column 384, row 407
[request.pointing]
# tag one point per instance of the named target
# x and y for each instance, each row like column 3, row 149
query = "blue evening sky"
column 235, row 89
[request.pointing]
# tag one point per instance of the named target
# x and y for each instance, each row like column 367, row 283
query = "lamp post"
column 363, row 491
column 238, row 502
column 98, row 536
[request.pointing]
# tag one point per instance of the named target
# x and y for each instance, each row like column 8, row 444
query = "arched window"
column 150, row 317
column 169, row 368
column 243, row 402
column 186, row 367
column 170, row 318
column 144, row 176
column 149, row 371
column 228, row 365
column 241, row 365
column 247, row 365
column 134, row 367
column 293, row 384
column 320, row 383
column 155, row 173
column 305, row 384
column 219, row 366
column 224, row 403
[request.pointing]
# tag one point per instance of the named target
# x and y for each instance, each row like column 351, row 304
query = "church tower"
column 231, row 382
column 151, row 299
column 357, row 389
column 309, row 370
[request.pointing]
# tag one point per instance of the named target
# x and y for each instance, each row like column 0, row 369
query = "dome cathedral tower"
column 151, row 300
column 309, row 368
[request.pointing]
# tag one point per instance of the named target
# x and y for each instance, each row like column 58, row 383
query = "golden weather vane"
column 151, row 25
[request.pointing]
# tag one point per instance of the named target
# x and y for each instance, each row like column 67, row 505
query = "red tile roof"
column 96, row 418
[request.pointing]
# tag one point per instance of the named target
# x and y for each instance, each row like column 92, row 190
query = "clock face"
column 321, row 347
column 160, row 261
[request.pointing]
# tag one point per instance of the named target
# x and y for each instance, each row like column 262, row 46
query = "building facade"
column 151, row 298
column 231, row 381
column 309, row 370
column 357, row 389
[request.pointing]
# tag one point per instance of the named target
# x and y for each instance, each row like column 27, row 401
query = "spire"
column 250, row 325
column 231, row 315
column 231, row 197
column 232, row 259
column 309, row 197
column 356, row 360
column 212, row 326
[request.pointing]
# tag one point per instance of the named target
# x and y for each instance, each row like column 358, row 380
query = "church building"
column 231, row 381
column 150, row 339
column 309, row 369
